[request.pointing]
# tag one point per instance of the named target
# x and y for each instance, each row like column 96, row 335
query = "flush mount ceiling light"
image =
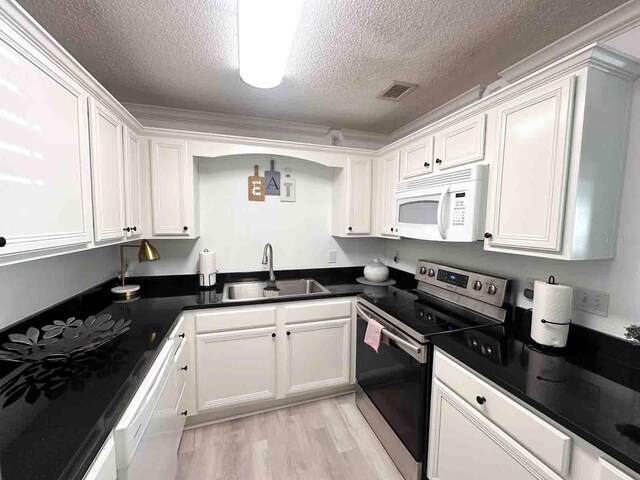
column 265, row 33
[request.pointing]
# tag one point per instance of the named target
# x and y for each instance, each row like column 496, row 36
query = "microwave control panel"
column 459, row 210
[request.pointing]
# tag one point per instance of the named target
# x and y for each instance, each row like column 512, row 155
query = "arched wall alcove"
column 237, row 229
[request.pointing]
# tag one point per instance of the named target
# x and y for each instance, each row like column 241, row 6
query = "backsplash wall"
column 237, row 229
column 619, row 277
column 28, row 287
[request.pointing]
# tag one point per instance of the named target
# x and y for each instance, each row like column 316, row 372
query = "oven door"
column 423, row 214
column 395, row 380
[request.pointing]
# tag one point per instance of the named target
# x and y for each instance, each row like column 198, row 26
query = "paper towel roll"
column 552, row 303
column 207, row 267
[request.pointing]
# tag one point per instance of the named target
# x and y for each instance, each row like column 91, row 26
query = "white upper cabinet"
column 558, row 160
column 107, row 169
column 132, row 183
column 351, row 198
column 172, row 188
column 45, row 182
column 531, row 168
column 461, row 143
column 359, row 198
column 416, row 159
column 388, row 176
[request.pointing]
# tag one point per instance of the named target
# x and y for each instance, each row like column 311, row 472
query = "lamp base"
column 126, row 292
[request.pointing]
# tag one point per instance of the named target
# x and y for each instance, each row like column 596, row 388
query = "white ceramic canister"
column 376, row 271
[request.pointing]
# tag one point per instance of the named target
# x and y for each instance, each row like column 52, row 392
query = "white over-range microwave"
column 447, row 207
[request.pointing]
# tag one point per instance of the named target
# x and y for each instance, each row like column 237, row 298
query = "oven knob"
column 423, row 270
column 477, row 285
column 431, row 272
column 492, row 289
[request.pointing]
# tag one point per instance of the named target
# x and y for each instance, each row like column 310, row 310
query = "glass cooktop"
column 422, row 315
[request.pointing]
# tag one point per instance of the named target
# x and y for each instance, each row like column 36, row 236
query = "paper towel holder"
column 552, row 281
column 203, row 287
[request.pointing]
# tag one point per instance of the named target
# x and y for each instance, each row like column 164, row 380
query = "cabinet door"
column 389, row 175
column 464, row 445
column 531, row 169
column 45, row 182
column 235, row 367
column 107, row 171
column 416, row 159
column 461, row 143
column 172, row 188
column 318, row 355
column 359, row 207
column 132, row 175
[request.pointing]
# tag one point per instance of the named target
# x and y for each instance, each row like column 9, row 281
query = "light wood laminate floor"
column 328, row 439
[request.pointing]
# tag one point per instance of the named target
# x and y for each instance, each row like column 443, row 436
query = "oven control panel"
column 478, row 286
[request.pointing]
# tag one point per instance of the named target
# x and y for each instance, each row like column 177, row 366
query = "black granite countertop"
column 592, row 387
column 55, row 416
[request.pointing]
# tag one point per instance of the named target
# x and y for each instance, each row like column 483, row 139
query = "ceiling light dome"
column 265, row 33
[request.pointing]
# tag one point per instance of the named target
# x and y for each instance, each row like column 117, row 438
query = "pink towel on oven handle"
column 373, row 334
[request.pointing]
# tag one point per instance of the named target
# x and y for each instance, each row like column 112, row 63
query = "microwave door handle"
column 443, row 197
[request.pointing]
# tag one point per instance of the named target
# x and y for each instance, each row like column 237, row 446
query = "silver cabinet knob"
column 477, row 285
column 492, row 289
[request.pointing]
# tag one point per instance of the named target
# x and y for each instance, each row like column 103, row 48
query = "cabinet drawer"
column 235, row 318
column 541, row 439
column 311, row 311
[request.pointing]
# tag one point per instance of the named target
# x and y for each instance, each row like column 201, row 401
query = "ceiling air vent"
column 397, row 90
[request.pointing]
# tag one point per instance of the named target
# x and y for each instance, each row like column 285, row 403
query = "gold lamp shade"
column 147, row 252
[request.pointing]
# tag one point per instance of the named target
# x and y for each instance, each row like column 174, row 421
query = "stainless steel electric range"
column 394, row 384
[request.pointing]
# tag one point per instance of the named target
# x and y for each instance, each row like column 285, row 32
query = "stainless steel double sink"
column 247, row 291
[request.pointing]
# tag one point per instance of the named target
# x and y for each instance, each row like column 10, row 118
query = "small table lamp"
column 146, row 253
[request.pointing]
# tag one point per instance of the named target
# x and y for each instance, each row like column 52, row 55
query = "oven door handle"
column 443, row 197
column 401, row 343
column 408, row 347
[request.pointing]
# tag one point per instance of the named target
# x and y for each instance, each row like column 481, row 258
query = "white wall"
column 619, row 277
column 28, row 287
column 238, row 229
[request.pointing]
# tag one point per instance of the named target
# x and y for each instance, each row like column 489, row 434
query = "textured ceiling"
column 183, row 54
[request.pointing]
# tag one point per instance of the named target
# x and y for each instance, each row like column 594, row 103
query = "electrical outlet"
column 333, row 255
column 529, row 287
column 591, row 301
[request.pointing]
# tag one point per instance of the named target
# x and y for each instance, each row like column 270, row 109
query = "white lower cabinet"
column 317, row 355
column 465, row 445
column 235, row 367
column 253, row 355
column 479, row 432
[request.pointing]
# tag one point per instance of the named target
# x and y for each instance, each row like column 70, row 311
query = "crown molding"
column 224, row 124
column 436, row 114
column 612, row 24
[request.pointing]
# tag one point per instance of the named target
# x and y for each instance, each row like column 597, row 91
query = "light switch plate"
column 333, row 255
column 591, row 301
